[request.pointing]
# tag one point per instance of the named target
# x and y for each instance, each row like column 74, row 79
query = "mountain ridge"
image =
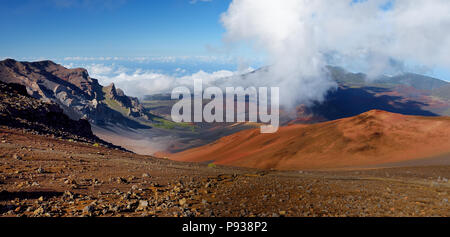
column 79, row 95
column 21, row 111
column 372, row 138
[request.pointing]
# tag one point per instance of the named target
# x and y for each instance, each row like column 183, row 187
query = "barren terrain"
column 48, row 176
column 372, row 139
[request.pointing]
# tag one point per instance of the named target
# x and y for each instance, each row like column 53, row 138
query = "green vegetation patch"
column 113, row 104
column 167, row 124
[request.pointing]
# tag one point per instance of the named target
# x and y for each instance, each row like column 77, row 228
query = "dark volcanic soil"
column 41, row 176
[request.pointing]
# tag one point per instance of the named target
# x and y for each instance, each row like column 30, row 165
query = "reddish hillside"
column 372, row 138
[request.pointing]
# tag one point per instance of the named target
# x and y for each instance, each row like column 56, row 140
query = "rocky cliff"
column 79, row 95
column 21, row 111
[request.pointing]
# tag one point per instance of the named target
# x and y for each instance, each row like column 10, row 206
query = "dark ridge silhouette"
column 348, row 102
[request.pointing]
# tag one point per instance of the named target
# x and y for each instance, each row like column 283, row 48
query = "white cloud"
column 298, row 34
column 141, row 82
column 180, row 70
column 99, row 69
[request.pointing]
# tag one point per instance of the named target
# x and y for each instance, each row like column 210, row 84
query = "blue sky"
column 79, row 32
column 127, row 28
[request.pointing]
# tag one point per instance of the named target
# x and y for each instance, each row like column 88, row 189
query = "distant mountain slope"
column 372, row 138
column 419, row 82
column 78, row 94
column 409, row 94
column 442, row 92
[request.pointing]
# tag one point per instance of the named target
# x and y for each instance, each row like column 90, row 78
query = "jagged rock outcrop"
column 79, row 95
column 19, row 110
column 130, row 104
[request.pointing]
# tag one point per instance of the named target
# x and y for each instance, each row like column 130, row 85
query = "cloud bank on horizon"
column 301, row 36
column 142, row 79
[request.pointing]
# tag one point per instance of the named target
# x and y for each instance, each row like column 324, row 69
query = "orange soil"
column 373, row 138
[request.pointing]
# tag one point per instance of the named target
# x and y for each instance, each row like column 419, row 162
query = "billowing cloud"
column 301, row 36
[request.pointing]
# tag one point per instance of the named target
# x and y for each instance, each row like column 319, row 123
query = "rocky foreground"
column 41, row 176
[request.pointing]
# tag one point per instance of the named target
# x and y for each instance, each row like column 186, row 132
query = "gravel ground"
column 43, row 176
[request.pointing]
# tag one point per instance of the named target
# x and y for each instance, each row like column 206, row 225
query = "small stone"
column 125, row 196
column 41, row 199
column 70, row 181
column 88, row 209
column 68, row 195
column 182, row 201
column 145, row 175
column 41, row 170
column 34, row 184
column 39, row 211
column 143, row 204
column 17, row 157
column 96, row 181
column 121, row 180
